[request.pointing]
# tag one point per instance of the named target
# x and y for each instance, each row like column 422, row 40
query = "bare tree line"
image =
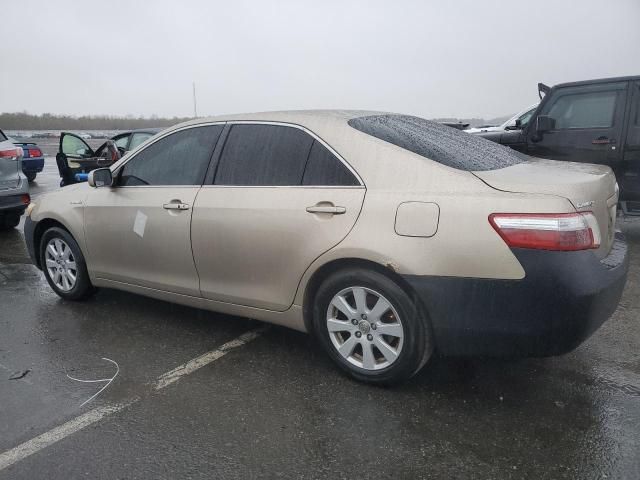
column 48, row 121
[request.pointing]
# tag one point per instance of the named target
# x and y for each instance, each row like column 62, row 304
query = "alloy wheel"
column 61, row 264
column 365, row 328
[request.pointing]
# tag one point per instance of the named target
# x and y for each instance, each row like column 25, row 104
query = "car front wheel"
column 370, row 327
column 64, row 265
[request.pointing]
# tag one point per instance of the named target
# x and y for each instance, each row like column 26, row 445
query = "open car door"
column 75, row 157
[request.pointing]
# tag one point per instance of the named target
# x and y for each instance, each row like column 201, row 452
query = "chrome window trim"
column 137, row 151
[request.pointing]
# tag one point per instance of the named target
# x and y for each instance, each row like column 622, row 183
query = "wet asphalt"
column 277, row 407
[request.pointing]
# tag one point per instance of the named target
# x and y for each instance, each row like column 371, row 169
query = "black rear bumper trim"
column 563, row 299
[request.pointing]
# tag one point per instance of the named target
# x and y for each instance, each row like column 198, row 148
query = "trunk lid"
column 9, row 168
column 588, row 187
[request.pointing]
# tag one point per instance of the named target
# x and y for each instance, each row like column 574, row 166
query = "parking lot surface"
column 272, row 405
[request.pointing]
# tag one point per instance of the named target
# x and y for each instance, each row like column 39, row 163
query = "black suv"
column 592, row 121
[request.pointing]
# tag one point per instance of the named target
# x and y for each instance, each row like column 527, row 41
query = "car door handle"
column 326, row 209
column 602, row 141
column 176, row 206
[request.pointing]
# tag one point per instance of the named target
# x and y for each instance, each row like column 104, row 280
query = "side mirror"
column 545, row 124
column 101, row 177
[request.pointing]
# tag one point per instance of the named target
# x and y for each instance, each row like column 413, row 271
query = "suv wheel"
column 370, row 327
column 64, row 265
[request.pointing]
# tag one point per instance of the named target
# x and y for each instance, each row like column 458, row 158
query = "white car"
column 510, row 124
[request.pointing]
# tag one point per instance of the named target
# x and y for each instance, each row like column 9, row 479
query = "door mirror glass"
column 102, row 177
column 545, row 124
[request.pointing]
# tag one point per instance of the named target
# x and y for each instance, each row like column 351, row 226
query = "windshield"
column 437, row 142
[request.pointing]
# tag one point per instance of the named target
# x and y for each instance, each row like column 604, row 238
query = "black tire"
column 9, row 221
column 31, row 176
column 417, row 343
column 82, row 288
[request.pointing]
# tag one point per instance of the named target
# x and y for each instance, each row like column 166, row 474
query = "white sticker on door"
column 139, row 224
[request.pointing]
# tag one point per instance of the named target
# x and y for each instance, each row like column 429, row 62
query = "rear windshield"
column 445, row 145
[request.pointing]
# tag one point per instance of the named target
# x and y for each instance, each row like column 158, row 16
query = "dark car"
column 591, row 121
column 33, row 159
column 76, row 158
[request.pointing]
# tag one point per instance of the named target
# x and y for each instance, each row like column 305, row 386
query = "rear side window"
column 181, row 158
column 263, row 155
column 323, row 168
column 2, row 136
column 584, row 110
column 448, row 146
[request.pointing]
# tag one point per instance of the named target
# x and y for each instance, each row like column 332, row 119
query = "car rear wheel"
column 370, row 327
column 31, row 176
column 64, row 266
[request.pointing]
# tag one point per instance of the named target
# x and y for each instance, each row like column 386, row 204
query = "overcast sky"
column 457, row 58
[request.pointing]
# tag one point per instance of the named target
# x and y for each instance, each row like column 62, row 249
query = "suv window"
column 323, row 168
column 448, row 146
column 584, row 110
column 181, row 158
column 264, row 155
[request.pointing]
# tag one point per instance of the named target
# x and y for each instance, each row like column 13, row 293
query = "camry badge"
column 585, row 204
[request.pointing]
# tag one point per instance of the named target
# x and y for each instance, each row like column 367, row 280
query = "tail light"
column 35, row 152
column 26, row 199
column 11, row 153
column 548, row 231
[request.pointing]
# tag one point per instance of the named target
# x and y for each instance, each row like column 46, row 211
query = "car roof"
column 598, row 80
column 299, row 117
column 141, row 130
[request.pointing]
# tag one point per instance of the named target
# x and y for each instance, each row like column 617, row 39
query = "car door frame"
column 116, row 170
column 536, row 148
column 78, row 157
column 213, row 169
column 629, row 172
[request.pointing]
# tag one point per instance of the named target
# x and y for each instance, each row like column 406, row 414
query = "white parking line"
column 56, row 434
column 199, row 362
column 40, row 442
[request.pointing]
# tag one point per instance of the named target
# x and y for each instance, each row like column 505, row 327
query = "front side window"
column 323, row 168
column 181, row 158
column 121, row 142
column 525, row 117
column 139, row 138
column 263, row 155
column 584, row 110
